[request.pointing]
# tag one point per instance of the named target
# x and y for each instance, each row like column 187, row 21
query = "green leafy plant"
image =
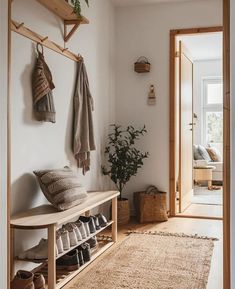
column 77, row 6
column 123, row 157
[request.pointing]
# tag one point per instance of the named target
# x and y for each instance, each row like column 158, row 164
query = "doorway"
column 199, row 124
column 226, row 136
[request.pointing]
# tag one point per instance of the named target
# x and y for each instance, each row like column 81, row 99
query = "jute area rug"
column 152, row 261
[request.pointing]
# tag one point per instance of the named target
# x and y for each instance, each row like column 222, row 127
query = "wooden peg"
column 44, row 39
column 20, row 25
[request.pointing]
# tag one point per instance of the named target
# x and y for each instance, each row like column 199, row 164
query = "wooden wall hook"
column 17, row 26
column 20, row 25
column 44, row 39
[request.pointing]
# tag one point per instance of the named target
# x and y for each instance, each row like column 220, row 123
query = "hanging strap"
column 41, row 48
column 152, row 190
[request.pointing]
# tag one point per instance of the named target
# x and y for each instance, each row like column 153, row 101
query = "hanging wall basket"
column 142, row 65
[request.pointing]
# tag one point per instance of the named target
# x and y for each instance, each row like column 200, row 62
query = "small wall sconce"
column 152, row 95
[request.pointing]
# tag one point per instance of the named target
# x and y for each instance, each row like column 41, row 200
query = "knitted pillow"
column 61, row 188
column 214, row 154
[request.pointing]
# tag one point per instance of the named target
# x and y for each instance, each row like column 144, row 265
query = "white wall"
column 144, row 30
column 202, row 69
column 38, row 145
column 232, row 35
column 3, row 140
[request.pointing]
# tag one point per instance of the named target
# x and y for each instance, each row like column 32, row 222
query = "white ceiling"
column 138, row 2
column 204, row 46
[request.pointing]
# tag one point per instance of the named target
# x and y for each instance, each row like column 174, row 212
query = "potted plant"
column 124, row 162
column 77, row 6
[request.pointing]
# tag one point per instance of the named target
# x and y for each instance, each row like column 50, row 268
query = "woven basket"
column 151, row 205
column 142, row 65
column 123, row 211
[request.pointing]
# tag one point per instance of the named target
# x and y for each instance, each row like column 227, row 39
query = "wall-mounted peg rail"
column 28, row 33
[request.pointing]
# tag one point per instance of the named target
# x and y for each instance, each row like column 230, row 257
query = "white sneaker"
column 41, row 251
column 77, row 232
column 38, row 252
column 65, row 239
column 72, row 235
column 81, row 228
column 59, row 243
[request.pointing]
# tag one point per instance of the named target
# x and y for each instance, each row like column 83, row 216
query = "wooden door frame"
column 226, row 140
column 172, row 102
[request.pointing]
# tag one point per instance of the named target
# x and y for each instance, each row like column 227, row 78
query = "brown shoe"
column 39, row 281
column 23, row 280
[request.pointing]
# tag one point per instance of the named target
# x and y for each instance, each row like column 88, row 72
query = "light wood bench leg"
column 87, row 213
column 51, row 257
column 114, row 218
column 12, row 253
column 209, row 184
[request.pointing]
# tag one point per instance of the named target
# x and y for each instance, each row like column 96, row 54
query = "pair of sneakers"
column 68, row 236
column 93, row 223
column 74, row 259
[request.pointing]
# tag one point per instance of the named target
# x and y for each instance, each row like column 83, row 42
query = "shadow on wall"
column 25, row 191
column 26, row 79
column 68, row 145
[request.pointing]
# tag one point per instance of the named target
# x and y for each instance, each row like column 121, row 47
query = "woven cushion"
column 214, row 154
column 61, row 188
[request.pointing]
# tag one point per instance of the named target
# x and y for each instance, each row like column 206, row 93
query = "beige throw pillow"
column 61, row 188
column 214, row 154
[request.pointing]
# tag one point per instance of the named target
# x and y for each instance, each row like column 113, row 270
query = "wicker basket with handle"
column 151, row 205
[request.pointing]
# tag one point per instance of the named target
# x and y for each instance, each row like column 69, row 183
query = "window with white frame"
column 212, row 111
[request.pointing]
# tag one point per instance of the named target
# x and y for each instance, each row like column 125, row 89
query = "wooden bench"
column 47, row 217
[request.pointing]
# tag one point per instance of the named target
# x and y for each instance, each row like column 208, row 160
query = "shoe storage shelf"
column 47, row 217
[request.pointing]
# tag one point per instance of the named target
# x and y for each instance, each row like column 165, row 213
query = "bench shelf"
column 47, row 217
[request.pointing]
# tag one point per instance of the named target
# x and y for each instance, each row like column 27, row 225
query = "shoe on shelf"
column 41, row 251
column 77, row 232
column 59, row 243
column 23, row 280
column 96, row 221
column 38, row 252
column 72, row 235
column 39, row 281
column 81, row 228
column 102, row 220
column 80, row 258
column 89, row 224
column 65, row 238
column 92, row 242
column 86, row 251
column 69, row 262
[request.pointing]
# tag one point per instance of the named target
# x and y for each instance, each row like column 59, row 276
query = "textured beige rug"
column 152, row 261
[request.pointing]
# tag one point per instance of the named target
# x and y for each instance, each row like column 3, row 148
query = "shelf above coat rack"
column 66, row 12
column 28, row 33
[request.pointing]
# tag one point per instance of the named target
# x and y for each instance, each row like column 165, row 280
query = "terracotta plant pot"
column 123, row 211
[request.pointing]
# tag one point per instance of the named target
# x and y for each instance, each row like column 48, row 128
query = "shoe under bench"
column 47, row 217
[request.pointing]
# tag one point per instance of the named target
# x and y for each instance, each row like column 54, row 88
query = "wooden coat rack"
column 66, row 12
column 44, row 40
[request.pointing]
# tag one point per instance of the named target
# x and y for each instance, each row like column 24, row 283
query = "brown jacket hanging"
column 43, row 85
column 83, row 134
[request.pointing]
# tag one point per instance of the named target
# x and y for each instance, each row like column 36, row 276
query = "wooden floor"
column 211, row 228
